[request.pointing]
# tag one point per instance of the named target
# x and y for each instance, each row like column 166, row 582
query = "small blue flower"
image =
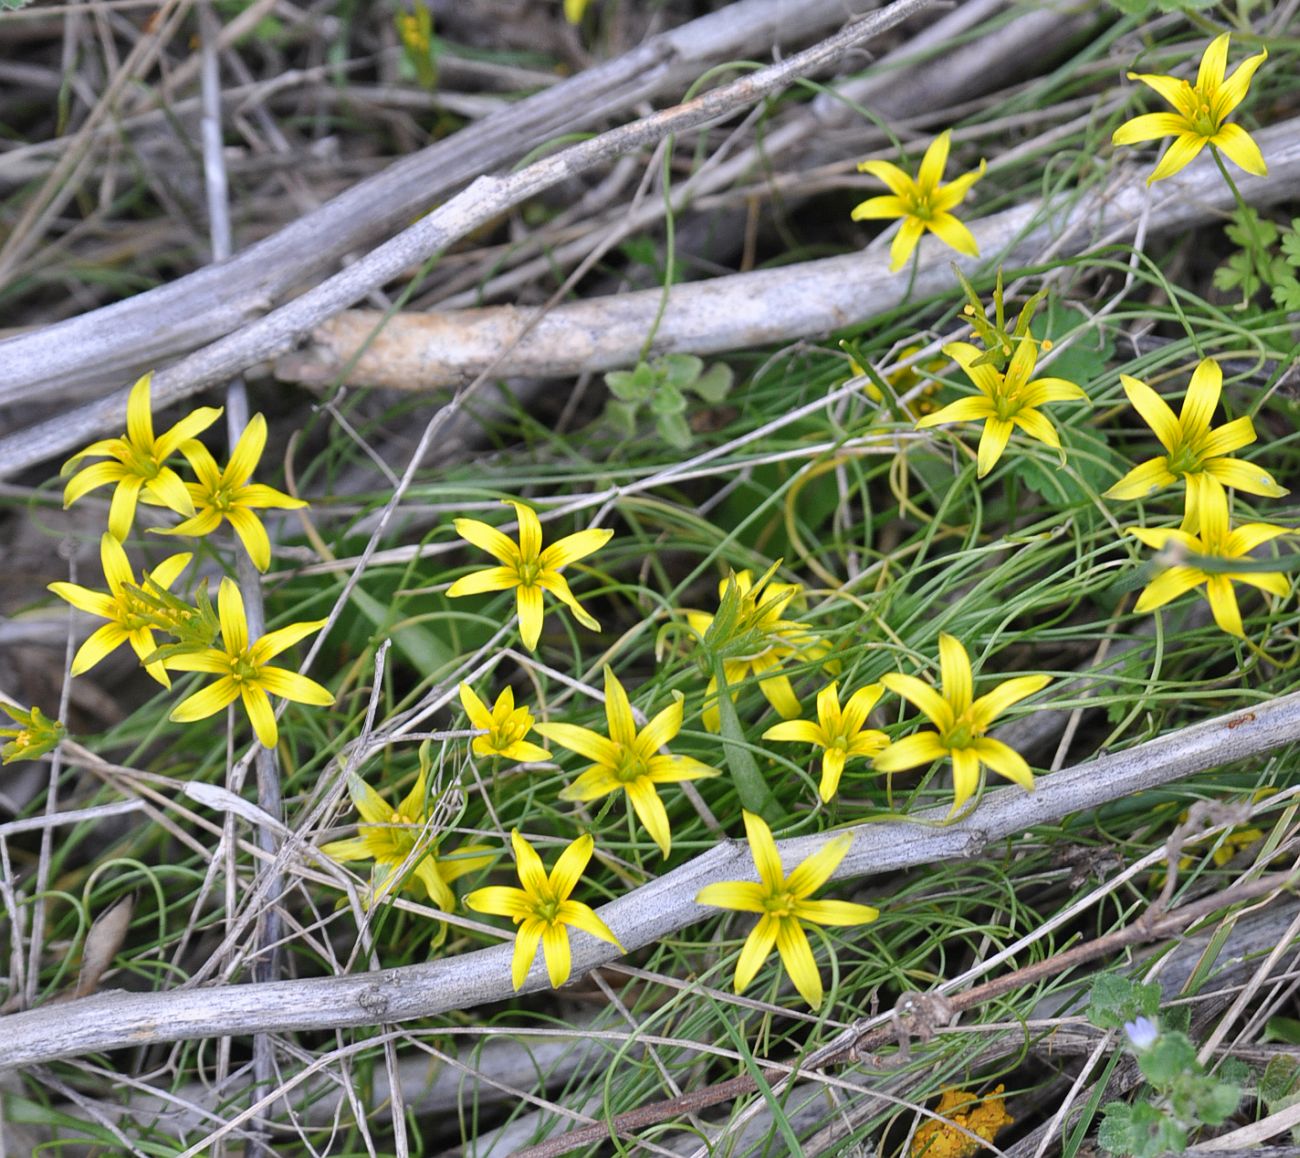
column 1142, row 1033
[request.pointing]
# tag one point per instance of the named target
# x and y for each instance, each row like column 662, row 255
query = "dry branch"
column 646, row 915
column 414, row 351
column 484, row 200
column 114, row 344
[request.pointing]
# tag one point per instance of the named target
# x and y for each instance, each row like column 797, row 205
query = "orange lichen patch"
column 982, row 1117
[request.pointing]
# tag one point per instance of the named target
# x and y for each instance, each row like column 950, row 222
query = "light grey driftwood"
column 481, row 202
column 645, row 915
column 423, row 351
column 112, row 345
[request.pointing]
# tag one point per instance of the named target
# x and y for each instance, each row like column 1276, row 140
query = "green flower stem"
column 1247, row 214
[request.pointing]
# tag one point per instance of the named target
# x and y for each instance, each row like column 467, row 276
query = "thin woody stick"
column 647, row 914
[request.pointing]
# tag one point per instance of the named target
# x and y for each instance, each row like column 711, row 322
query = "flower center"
column 1205, row 123
column 528, row 571
column 1184, row 460
column 920, row 207
column 780, row 904
column 142, row 462
column 221, row 499
column 961, row 734
column 243, row 670
column 547, row 910
column 630, row 767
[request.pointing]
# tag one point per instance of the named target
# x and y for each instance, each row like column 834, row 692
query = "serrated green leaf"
column 1279, row 1085
column 1114, row 1134
column 1113, row 1000
column 674, row 430
column 1218, row 1102
column 1291, row 243
column 1170, row 1058
column 1286, row 293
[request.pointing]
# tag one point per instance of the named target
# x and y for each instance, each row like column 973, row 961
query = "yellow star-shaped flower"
column 245, row 672
column 542, row 908
column 1216, row 542
column 784, row 904
column 505, row 725
column 404, row 837
column 227, row 495
column 841, row 734
column 528, row 567
column 761, row 617
column 1005, row 401
column 1200, row 112
column 923, row 203
column 1193, row 451
column 141, row 462
column 129, row 615
column 961, row 721
column 629, row 760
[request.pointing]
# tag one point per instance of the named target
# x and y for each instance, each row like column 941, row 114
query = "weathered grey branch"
column 424, row 351
column 642, row 917
column 116, row 343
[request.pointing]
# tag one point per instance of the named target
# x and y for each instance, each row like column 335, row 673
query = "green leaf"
column 1115, row 1000
column 1091, row 465
column 1238, row 271
column 667, row 399
column 632, row 385
column 1249, row 231
column 1284, row 1029
column 1218, row 1102
column 674, row 430
column 751, row 786
column 1291, row 243
column 1171, row 1057
column 421, row 648
column 1279, row 1084
column 1140, row 1130
column 621, row 416
column 1286, row 293
column 714, row 384
column 678, row 370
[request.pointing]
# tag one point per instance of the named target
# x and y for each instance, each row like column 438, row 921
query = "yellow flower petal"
column 997, row 432
column 570, row 865
column 767, row 861
column 755, row 950
column 555, row 947
column 230, row 610
column 921, row 696
column 1182, row 152
column 489, row 539
column 955, row 674
column 528, row 602
column 574, row 547
column 1004, row 760
column 258, row 708
column 796, row 955
column 206, row 702
column 815, row 870
column 910, row 752
column 650, row 810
